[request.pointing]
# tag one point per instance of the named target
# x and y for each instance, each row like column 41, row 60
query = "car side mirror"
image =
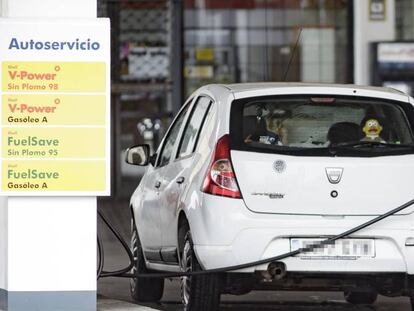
column 152, row 159
column 138, row 155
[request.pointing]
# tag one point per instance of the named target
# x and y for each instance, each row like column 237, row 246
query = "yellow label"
column 198, row 71
column 205, row 54
column 53, row 143
column 53, row 77
column 53, row 109
column 53, row 176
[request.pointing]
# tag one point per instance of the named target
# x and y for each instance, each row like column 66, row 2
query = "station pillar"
column 48, row 244
column 373, row 21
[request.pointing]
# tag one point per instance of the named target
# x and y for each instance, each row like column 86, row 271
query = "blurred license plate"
column 345, row 248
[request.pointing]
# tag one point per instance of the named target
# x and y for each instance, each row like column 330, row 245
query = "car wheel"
column 198, row 293
column 360, row 298
column 143, row 290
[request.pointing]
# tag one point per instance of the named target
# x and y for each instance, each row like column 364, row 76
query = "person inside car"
column 255, row 130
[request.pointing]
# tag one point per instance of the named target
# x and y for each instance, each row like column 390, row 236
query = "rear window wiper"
column 359, row 144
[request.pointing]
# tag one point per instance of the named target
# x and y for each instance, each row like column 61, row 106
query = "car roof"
column 240, row 87
column 243, row 90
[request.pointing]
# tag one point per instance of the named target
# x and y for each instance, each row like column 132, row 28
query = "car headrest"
column 342, row 132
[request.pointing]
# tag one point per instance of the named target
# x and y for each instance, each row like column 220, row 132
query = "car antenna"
column 292, row 56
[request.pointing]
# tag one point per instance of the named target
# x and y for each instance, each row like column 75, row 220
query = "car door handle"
column 158, row 184
column 180, row 180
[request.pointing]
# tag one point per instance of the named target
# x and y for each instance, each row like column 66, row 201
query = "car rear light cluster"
column 220, row 179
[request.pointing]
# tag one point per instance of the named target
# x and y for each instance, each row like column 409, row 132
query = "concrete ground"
column 107, row 304
column 113, row 293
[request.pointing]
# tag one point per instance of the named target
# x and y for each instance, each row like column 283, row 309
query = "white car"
column 250, row 171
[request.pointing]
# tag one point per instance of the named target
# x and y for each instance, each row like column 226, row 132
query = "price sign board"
column 55, row 105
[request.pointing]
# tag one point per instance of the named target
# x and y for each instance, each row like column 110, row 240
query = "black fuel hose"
column 262, row 261
column 101, row 257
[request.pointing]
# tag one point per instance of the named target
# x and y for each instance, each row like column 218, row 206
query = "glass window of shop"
column 141, row 86
column 404, row 15
column 254, row 40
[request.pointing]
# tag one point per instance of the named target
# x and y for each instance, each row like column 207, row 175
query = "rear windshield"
column 320, row 125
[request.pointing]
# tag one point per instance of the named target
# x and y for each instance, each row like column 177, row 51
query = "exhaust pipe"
column 276, row 270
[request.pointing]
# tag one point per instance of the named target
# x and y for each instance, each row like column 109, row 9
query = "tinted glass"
column 294, row 124
column 168, row 148
column 194, row 126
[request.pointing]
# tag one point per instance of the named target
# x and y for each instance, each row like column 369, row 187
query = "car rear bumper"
column 229, row 234
column 387, row 259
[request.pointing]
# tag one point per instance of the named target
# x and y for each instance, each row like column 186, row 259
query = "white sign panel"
column 377, row 10
column 396, row 52
column 147, row 63
column 55, row 105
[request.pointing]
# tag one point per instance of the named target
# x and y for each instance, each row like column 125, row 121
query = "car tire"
column 360, row 298
column 412, row 301
column 198, row 293
column 143, row 289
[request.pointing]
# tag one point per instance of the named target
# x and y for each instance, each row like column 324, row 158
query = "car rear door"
column 177, row 175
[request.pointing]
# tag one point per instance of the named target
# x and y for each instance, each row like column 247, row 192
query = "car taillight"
column 220, row 179
column 322, row 100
